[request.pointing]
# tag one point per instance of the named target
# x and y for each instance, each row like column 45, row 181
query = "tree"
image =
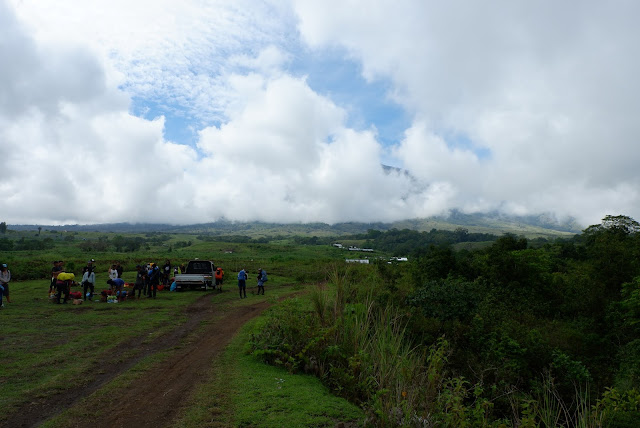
column 3, row 227
column 461, row 234
column 612, row 250
column 119, row 242
column 434, row 263
column 622, row 222
column 6, row 244
column 618, row 224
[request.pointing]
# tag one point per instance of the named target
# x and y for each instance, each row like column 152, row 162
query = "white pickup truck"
column 200, row 274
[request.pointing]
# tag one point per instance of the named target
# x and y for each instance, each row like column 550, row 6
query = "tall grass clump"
column 361, row 351
column 548, row 408
column 359, row 345
column 342, row 289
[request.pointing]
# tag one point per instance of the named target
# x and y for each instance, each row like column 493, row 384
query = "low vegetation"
column 505, row 336
column 475, row 330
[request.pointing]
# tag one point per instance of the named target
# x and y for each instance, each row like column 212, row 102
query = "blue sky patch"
column 456, row 140
column 332, row 74
column 178, row 126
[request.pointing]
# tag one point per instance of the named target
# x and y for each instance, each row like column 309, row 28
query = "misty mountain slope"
column 530, row 226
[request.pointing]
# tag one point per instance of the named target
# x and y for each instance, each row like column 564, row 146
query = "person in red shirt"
column 219, row 278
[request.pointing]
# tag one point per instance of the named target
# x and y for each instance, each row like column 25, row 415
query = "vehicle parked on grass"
column 200, row 275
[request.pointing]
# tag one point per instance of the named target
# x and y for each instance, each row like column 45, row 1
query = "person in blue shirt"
column 262, row 278
column 117, row 287
column 242, row 283
column 154, row 280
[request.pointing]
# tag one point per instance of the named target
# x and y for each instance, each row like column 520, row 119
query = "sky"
column 193, row 111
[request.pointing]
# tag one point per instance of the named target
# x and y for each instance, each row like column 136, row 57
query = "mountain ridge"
column 546, row 225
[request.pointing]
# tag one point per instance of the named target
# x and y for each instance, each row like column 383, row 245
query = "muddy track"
column 153, row 400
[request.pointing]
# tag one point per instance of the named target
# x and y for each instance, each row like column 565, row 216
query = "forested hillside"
column 509, row 335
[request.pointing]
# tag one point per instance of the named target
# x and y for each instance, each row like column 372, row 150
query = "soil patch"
column 156, row 399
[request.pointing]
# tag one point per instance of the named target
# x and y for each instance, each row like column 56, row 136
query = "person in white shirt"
column 88, row 283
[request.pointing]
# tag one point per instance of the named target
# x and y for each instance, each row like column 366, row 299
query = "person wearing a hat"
column 90, row 265
column 113, row 272
column 5, row 277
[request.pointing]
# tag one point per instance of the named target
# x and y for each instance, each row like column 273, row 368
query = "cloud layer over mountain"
column 186, row 112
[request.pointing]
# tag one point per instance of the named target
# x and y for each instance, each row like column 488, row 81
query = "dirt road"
column 153, row 400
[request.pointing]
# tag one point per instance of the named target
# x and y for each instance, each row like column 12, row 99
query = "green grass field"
column 258, row 395
column 48, row 348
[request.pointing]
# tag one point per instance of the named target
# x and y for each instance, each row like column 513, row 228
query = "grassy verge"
column 244, row 392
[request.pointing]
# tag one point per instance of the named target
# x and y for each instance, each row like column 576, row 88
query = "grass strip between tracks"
column 244, row 392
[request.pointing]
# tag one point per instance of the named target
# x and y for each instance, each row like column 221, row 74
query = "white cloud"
column 72, row 151
column 270, row 61
column 286, row 155
column 524, row 108
column 171, row 53
column 549, row 89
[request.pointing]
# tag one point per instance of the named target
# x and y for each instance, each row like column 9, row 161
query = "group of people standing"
column 62, row 281
column 242, row 282
column 148, row 278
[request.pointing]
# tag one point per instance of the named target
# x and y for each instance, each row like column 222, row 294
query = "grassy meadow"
column 475, row 330
column 48, row 348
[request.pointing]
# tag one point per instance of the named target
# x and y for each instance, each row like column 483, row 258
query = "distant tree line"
column 401, row 242
column 24, row 244
column 405, row 242
column 236, row 239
